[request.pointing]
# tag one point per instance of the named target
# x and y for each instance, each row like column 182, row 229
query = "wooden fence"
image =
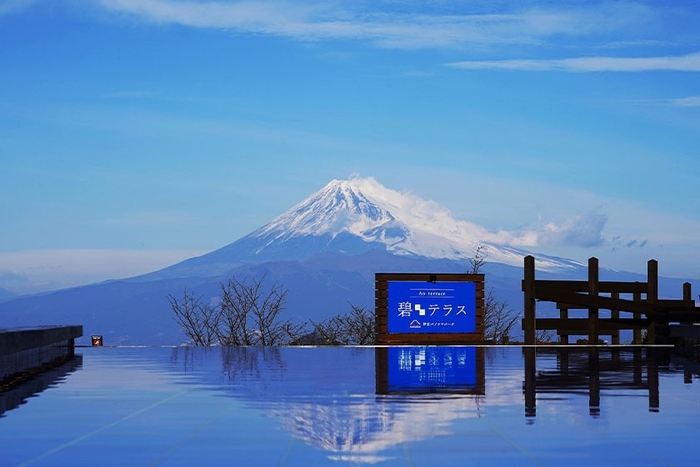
column 633, row 306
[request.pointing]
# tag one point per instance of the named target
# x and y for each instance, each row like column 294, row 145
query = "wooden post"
column 637, row 332
column 653, row 380
column 637, row 365
column 530, row 382
column 652, row 297
column 593, row 292
column 615, row 314
column 563, row 315
column 687, row 297
column 593, row 382
column 529, row 309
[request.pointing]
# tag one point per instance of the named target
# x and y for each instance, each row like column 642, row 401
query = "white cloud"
column 580, row 231
column 624, row 44
column 153, row 218
column 261, row 17
column 128, row 95
column 690, row 62
column 692, row 101
column 411, row 27
column 544, row 218
column 625, row 237
column 14, row 6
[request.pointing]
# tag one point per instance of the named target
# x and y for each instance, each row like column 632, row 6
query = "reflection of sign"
column 431, row 307
column 431, row 369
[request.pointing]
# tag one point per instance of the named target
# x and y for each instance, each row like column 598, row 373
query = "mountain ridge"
column 324, row 250
column 6, row 294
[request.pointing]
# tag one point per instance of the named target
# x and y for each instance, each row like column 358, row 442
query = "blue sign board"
column 431, row 369
column 431, row 307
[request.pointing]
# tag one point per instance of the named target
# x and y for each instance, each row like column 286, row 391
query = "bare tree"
column 326, row 332
column 234, row 312
column 248, row 313
column 359, row 325
column 499, row 318
column 477, row 260
column 544, row 336
column 353, row 328
column 198, row 320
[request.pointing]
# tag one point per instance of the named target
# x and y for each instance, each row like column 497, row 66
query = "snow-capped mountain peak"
column 401, row 222
column 356, row 216
column 340, row 206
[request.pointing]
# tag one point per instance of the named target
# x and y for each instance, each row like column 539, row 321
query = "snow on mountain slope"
column 354, row 207
column 405, row 224
column 353, row 217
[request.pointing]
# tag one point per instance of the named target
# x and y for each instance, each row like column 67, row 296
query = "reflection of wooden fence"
column 638, row 300
column 592, row 370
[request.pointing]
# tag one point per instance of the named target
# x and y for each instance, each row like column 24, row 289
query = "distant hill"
column 324, row 251
column 6, row 294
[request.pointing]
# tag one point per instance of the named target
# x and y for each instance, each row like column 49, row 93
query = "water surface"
column 409, row 406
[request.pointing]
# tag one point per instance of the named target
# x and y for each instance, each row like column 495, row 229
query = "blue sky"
column 139, row 132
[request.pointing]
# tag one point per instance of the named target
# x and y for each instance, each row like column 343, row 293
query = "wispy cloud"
column 625, row 44
column 692, row 101
column 13, row 6
column 580, row 231
column 128, row 95
column 418, row 74
column 690, row 62
column 385, row 24
column 153, row 218
column 636, row 243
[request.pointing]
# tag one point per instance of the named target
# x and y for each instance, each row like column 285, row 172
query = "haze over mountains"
column 324, row 250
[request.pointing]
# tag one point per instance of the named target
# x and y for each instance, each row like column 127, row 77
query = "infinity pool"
column 407, row 406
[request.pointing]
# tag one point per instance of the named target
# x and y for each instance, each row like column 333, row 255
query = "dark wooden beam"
column 603, row 286
column 529, row 305
column 578, row 300
column 579, row 326
column 592, row 293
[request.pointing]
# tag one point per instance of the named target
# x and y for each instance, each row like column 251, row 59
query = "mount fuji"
column 354, row 217
column 324, row 251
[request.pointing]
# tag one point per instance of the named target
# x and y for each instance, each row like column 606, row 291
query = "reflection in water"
column 357, row 408
column 593, row 370
column 36, row 383
column 350, row 413
column 426, row 370
column 404, row 407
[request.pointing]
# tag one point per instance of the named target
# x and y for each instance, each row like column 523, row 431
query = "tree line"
column 249, row 313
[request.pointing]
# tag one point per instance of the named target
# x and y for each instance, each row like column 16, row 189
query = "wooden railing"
column 638, row 300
